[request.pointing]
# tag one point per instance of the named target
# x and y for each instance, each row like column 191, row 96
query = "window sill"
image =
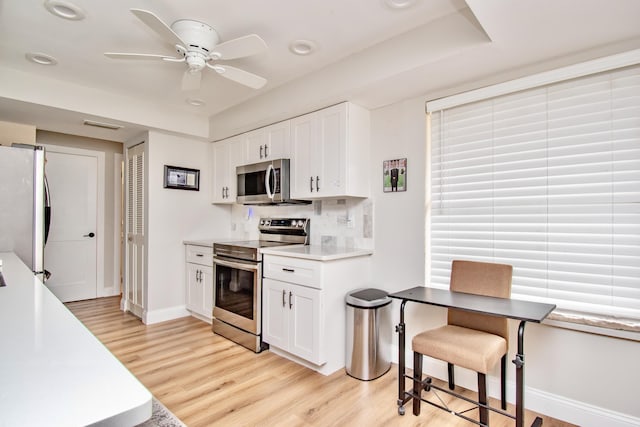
column 594, row 324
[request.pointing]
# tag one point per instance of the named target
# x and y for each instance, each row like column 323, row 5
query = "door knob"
column 89, row 235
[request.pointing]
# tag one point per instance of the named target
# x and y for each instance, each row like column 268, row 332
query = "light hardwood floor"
column 207, row 380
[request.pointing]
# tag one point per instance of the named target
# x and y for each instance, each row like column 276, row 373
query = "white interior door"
column 71, row 251
column 134, row 297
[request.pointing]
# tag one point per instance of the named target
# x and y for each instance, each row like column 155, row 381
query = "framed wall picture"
column 394, row 175
column 181, row 178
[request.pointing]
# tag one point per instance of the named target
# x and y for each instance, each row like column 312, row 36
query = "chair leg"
column 417, row 384
column 503, row 382
column 482, row 398
column 452, row 384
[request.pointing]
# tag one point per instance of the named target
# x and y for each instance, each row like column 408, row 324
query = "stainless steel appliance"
column 237, row 309
column 24, row 207
column 265, row 183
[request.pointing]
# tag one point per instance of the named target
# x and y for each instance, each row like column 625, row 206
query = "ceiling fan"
column 197, row 45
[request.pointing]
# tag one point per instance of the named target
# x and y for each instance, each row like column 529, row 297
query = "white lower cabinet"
column 304, row 307
column 292, row 319
column 199, row 292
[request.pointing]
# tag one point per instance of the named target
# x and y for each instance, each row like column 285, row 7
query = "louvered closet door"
column 134, row 288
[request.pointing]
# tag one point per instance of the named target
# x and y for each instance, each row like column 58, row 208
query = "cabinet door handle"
column 200, row 255
column 197, row 275
column 266, row 151
column 261, row 148
column 288, row 270
column 290, row 303
column 283, row 296
column 311, row 184
column 223, row 192
column 317, row 184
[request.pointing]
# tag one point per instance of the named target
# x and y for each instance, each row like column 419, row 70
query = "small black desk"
column 525, row 311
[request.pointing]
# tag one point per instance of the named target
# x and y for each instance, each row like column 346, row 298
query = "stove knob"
column 300, row 223
column 262, row 222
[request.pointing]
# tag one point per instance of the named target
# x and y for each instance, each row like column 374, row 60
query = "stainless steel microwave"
column 265, row 183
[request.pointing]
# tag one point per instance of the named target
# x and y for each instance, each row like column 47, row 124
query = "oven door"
column 238, row 293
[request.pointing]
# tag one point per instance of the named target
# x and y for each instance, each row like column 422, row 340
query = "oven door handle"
column 233, row 264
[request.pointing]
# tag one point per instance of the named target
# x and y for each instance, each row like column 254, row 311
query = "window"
column 546, row 179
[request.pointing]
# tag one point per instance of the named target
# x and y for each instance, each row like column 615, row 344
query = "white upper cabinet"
column 330, row 153
column 267, row 143
column 227, row 154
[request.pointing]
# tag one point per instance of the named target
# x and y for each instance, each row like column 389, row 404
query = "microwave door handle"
column 266, row 180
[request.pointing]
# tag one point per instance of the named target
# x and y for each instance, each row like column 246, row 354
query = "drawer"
column 199, row 255
column 293, row 270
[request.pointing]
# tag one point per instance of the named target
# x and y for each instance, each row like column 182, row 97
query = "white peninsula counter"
column 53, row 371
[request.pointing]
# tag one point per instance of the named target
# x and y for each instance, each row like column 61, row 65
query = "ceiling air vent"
column 110, row 126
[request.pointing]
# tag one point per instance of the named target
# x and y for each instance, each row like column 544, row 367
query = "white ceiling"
column 367, row 52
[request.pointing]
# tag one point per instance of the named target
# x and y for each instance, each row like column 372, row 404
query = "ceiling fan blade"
column 157, row 25
column 239, row 76
column 191, row 80
column 247, row 45
column 118, row 55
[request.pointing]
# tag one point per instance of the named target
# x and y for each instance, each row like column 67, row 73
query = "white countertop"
column 317, row 252
column 53, row 371
column 204, row 242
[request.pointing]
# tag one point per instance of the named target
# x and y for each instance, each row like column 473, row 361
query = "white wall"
column 175, row 216
column 586, row 379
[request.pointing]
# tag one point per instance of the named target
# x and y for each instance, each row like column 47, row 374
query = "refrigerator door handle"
column 38, row 211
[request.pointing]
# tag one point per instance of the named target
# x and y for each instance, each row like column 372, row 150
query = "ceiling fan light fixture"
column 302, row 47
column 41, row 58
column 64, row 9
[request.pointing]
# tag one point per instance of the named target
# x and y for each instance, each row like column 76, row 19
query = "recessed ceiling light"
column 195, row 102
column 400, row 4
column 302, row 47
column 64, row 9
column 41, row 58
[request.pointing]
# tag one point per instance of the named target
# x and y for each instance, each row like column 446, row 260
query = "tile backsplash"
column 337, row 222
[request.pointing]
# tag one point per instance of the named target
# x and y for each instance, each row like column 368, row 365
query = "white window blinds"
column 548, row 180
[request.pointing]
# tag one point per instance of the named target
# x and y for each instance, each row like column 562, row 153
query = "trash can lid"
column 367, row 298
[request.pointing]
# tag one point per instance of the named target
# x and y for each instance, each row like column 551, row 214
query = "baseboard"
column 575, row 412
column 542, row 402
column 326, row 369
column 150, row 317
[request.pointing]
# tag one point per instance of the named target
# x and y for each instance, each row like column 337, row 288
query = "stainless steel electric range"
column 237, row 308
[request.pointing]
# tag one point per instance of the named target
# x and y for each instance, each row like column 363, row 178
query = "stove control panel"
column 267, row 224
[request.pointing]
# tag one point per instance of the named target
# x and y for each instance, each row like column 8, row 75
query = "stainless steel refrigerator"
column 23, row 209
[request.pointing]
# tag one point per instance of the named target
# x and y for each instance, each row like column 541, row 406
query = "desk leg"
column 519, row 362
column 400, row 329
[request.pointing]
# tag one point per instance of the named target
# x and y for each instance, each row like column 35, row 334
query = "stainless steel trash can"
column 368, row 333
